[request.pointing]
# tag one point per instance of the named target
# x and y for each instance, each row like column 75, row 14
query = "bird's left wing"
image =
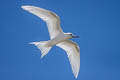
column 73, row 53
column 52, row 20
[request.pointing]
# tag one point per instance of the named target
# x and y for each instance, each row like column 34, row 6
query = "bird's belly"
column 56, row 40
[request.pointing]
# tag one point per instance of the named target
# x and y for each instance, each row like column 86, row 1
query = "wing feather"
column 73, row 53
column 52, row 20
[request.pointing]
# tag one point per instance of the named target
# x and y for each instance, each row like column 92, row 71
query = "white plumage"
column 57, row 37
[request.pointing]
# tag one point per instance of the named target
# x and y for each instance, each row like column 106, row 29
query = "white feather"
column 73, row 53
column 52, row 20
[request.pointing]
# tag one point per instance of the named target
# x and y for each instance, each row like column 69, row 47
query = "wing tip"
column 76, row 75
column 25, row 7
column 76, row 72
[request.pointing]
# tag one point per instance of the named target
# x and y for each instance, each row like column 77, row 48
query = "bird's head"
column 72, row 35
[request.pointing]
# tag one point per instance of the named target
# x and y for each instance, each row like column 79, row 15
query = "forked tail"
column 43, row 47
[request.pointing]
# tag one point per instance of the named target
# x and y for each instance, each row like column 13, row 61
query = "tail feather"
column 42, row 47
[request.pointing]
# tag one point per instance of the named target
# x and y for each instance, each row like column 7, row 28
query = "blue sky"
column 96, row 21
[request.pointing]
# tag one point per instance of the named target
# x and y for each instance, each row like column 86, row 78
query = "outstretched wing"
column 73, row 53
column 49, row 17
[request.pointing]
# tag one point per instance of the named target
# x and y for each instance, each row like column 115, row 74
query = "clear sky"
column 97, row 22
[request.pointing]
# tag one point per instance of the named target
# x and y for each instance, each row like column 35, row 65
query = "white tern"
column 57, row 37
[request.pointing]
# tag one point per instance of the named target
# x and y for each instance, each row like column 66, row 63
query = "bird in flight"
column 57, row 37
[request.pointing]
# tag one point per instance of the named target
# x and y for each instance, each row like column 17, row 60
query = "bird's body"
column 57, row 37
column 60, row 38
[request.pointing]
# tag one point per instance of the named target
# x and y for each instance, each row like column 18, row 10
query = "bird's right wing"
column 49, row 17
column 73, row 53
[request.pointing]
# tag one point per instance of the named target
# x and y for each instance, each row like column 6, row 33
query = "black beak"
column 74, row 36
